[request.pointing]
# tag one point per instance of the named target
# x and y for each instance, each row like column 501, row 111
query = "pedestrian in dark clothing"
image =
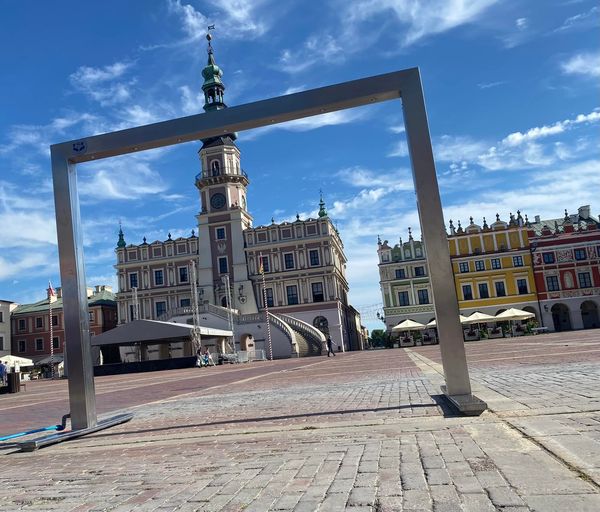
column 329, row 347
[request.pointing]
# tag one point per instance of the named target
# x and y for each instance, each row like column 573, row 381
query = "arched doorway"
column 589, row 314
column 321, row 323
column 224, row 302
column 247, row 342
column 561, row 317
column 531, row 309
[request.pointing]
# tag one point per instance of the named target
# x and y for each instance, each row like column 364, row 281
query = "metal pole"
column 82, row 395
column 454, row 361
column 51, row 334
column 262, row 273
column 229, row 309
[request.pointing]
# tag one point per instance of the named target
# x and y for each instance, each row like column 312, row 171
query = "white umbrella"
column 433, row 323
column 408, row 325
column 11, row 360
column 479, row 318
column 513, row 314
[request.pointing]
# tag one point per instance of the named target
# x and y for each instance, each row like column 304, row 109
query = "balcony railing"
column 210, row 174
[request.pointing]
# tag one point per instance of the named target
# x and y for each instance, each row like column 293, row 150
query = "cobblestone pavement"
column 362, row 431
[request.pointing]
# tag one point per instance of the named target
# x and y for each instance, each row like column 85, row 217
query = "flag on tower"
column 51, row 291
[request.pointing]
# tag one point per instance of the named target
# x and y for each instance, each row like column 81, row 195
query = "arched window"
column 322, row 324
column 215, row 167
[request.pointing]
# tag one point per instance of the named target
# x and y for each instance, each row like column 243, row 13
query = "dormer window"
column 215, row 168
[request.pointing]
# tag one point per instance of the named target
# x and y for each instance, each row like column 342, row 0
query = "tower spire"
column 213, row 86
column 322, row 209
column 121, row 243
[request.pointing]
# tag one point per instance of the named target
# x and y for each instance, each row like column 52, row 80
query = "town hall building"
column 295, row 270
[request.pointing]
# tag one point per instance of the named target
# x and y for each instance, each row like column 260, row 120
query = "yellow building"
column 492, row 266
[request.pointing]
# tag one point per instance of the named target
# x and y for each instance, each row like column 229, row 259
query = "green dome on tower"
column 213, row 86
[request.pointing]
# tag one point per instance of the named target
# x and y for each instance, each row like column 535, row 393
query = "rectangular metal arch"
column 404, row 84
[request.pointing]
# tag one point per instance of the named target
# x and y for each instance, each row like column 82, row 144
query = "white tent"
column 513, row 314
column 433, row 323
column 408, row 325
column 11, row 360
column 479, row 318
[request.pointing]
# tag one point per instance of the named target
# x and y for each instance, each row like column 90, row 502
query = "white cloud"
column 397, row 128
column 419, row 19
column 400, row 149
column 315, row 49
column 518, row 150
column 237, row 19
column 521, row 23
column 489, row 85
column 587, row 64
column 580, row 21
column 100, row 84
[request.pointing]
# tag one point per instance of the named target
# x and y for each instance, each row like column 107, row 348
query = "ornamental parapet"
column 569, row 294
column 407, row 310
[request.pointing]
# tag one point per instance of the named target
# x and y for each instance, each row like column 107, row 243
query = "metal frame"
column 404, row 84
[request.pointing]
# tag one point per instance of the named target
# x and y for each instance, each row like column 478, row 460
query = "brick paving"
column 364, row 431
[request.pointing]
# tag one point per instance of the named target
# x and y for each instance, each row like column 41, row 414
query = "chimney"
column 89, row 291
column 59, row 293
column 537, row 219
column 584, row 211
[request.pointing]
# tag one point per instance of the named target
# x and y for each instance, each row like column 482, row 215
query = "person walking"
column 330, row 347
column 3, row 370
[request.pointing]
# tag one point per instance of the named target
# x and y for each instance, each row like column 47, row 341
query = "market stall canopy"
column 11, row 360
column 514, row 314
column 152, row 330
column 479, row 318
column 433, row 323
column 408, row 325
column 57, row 359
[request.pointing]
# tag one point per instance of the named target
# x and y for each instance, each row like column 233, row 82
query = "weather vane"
column 208, row 36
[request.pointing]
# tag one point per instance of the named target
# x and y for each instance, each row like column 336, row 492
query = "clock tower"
column 223, row 215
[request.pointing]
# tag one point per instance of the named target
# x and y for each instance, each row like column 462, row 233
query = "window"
column 181, row 248
column 1, row 342
column 522, row 286
column 317, row 292
column 423, row 296
column 479, row 265
column 580, row 254
column 403, row 299
column 467, row 292
column 54, row 320
column 183, row 275
column 385, row 257
column 483, row 291
column 223, row 265
column 22, row 345
column 548, row 257
column 156, row 252
column 39, row 322
column 269, row 295
column 132, row 315
column 585, row 280
column 55, row 342
column 400, row 273
column 215, row 167
column 1, row 316
column 184, row 303
column 314, row 258
column 419, row 271
column 518, row 261
column 39, row 344
column 265, row 263
column 220, row 233
column 292, row 294
column 159, row 278
column 91, row 316
column 552, row 283
column 161, row 308
column 496, row 263
column 133, row 280
column 463, row 267
column 500, row 289
column 22, row 324
column 288, row 260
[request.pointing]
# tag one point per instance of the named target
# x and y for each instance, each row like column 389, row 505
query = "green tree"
column 378, row 338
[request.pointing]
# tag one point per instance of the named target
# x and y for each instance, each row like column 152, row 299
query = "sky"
column 511, row 88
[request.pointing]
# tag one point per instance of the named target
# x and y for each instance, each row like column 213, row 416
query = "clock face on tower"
column 217, row 201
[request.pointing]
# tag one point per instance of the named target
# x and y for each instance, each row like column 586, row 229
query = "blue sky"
column 511, row 89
